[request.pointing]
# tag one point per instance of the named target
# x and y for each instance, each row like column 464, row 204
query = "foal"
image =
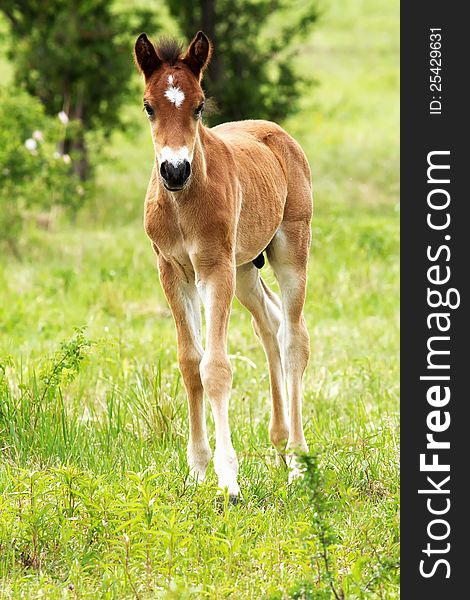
column 217, row 199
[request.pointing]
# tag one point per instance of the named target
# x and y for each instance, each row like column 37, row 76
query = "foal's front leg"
column 216, row 285
column 184, row 303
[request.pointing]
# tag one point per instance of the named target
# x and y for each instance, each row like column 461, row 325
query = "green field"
column 95, row 496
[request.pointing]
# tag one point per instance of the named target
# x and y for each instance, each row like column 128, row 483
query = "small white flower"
column 31, row 144
column 37, row 135
column 66, row 158
column 57, row 154
column 63, row 117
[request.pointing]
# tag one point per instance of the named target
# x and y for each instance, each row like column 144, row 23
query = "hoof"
column 281, row 459
column 233, row 500
column 295, row 475
column 295, row 467
column 196, row 476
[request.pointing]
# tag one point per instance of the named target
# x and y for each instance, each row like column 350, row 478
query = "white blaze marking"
column 174, row 157
column 174, row 94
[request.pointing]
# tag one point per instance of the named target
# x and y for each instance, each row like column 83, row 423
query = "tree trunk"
column 208, row 25
column 75, row 144
column 81, row 165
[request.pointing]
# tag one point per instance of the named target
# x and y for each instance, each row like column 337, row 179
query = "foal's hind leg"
column 288, row 255
column 265, row 307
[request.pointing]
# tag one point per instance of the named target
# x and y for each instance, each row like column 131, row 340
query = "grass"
column 95, row 499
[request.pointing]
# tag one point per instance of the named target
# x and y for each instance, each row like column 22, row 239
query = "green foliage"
column 33, row 175
column 317, row 493
column 65, row 365
column 76, row 56
column 37, row 404
column 111, row 504
column 252, row 73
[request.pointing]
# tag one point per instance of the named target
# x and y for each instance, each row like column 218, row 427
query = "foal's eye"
column 199, row 110
column 148, row 109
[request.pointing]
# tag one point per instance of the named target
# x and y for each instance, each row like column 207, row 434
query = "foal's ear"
column 198, row 54
column 145, row 55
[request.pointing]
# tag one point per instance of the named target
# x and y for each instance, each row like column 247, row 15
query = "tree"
column 75, row 56
column 251, row 74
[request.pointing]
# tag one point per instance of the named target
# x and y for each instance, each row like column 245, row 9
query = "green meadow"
column 95, row 499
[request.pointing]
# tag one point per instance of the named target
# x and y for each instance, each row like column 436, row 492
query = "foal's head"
column 174, row 101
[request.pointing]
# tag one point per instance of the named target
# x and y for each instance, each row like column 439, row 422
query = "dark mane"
column 169, row 50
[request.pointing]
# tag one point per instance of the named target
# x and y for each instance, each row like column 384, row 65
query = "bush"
column 34, row 176
column 76, row 57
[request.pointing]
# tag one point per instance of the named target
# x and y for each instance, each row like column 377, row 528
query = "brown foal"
column 217, row 199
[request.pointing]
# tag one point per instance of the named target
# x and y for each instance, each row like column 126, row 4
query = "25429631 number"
column 435, row 67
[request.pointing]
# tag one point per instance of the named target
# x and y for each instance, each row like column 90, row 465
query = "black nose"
column 175, row 176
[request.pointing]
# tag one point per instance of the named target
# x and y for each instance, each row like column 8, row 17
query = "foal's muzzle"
column 173, row 176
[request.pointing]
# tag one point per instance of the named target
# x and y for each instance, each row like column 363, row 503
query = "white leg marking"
column 198, row 451
column 218, row 391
